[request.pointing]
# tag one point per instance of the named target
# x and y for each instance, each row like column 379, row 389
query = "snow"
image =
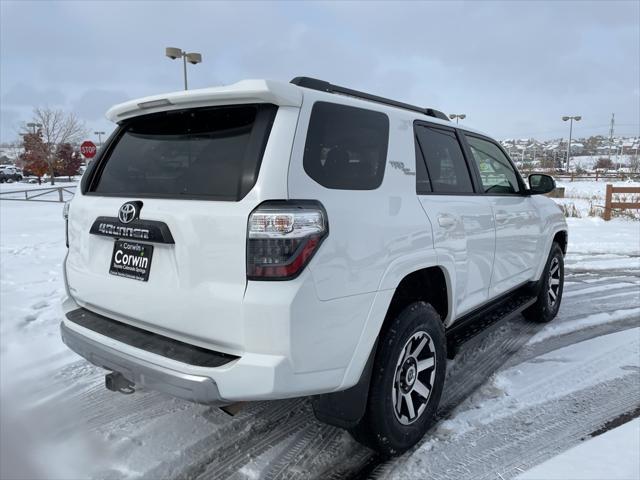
column 555, row 330
column 531, row 383
column 588, row 162
column 591, row 190
column 592, row 235
column 612, row 456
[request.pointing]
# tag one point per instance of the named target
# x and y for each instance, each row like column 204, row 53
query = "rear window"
column 212, row 152
column 346, row 147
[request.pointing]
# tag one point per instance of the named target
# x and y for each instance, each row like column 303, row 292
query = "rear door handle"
column 447, row 221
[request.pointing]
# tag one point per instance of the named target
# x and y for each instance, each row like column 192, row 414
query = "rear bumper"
column 250, row 376
column 194, row 388
column 290, row 344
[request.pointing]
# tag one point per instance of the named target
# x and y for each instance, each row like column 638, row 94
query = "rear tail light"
column 282, row 236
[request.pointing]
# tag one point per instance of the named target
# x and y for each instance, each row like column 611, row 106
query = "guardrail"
column 609, row 204
column 40, row 193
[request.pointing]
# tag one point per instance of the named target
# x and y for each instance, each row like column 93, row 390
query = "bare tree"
column 57, row 127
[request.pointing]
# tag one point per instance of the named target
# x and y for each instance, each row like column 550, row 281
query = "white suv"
column 267, row 240
column 10, row 173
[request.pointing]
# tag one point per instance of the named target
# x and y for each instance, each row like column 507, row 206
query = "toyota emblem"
column 128, row 212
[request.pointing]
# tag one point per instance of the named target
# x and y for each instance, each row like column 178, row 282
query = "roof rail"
column 321, row 85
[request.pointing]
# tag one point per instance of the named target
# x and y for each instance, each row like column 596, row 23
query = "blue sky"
column 513, row 67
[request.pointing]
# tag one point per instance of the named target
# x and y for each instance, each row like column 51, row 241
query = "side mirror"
column 539, row 183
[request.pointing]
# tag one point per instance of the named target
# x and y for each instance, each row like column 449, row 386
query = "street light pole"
column 192, row 57
column 184, row 71
column 577, row 118
column 34, row 126
column 457, row 116
column 99, row 137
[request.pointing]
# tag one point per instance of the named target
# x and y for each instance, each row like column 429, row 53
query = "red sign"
column 88, row 149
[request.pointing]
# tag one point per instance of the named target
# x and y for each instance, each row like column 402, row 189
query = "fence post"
column 597, row 175
column 607, row 202
column 60, row 194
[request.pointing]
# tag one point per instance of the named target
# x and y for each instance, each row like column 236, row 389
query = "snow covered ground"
column 589, row 196
column 588, row 162
column 514, row 398
column 592, row 459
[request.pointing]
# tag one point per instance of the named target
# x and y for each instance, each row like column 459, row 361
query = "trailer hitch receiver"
column 116, row 382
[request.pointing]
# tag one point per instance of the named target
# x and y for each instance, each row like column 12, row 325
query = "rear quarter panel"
column 368, row 229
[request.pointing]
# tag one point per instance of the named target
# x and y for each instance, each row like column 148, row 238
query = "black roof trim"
column 321, row 85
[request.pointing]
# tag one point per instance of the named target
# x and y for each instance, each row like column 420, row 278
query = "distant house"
column 629, row 147
column 577, row 148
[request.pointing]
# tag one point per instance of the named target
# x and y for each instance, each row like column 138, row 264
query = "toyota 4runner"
column 267, row 240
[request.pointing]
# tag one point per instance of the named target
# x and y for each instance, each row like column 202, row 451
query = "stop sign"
column 88, row 149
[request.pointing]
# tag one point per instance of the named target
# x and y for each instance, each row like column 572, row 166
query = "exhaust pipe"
column 116, row 382
column 233, row 409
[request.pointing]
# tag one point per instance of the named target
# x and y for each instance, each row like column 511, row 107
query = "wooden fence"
column 609, row 204
column 596, row 176
column 54, row 194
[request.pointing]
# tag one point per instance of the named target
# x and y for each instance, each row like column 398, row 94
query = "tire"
column 398, row 375
column 551, row 284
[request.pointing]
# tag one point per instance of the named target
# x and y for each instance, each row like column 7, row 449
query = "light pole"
column 34, row 126
column 457, row 116
column 99, row 137
column 577, row 118
column 193, row 58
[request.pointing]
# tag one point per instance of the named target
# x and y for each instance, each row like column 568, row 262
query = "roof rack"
column 321, row 85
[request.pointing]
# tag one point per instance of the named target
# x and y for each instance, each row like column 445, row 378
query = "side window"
column 496, row 172
column 346, row 147
column 446, row 166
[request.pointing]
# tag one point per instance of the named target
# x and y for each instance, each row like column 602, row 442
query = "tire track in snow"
column 480, row 358
column 287, row 464
column 324, row 452
column 580, row 334
column 506, row 447
column 259, row 438
column 235, row 442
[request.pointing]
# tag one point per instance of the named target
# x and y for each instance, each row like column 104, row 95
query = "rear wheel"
column 407, row 380
column 550, row 289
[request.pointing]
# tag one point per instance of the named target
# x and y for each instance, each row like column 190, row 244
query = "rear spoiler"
column 246, row 91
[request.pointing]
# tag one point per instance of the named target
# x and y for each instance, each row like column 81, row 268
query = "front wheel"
column 407, row 380
column 550, row 289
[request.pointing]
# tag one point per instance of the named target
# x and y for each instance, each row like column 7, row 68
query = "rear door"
column 158, row 235
column 518, row 225
column 463, row 228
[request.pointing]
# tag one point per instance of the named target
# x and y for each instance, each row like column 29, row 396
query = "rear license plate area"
column 131, row 260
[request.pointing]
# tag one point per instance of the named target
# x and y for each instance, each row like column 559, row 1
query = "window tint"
column 423, row 184
column 496, row 173
column 446, row 166
column 346, row 147
column 209, row 152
